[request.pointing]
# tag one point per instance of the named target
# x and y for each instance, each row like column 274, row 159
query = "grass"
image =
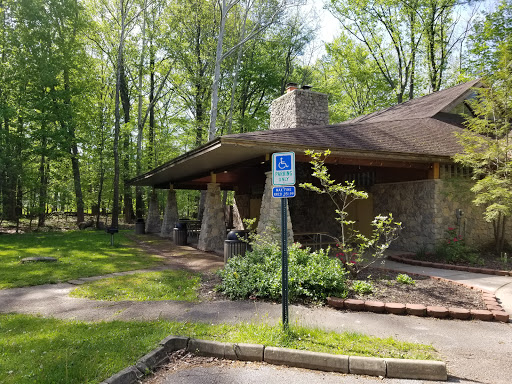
column 79, row 254
column 164, row 285
column 39, row 350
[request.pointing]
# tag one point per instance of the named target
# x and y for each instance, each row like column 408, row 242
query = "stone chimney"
column 299, row 108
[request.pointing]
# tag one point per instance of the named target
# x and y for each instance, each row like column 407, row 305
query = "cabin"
column 402, row 156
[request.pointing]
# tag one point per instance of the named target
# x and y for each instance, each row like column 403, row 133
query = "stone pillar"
column 153, row 220
column 241, row 210
column 213, row 227
column 170, row 214
column 270, row 214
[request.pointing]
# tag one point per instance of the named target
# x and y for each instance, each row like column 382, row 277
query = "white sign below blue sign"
column 283, row 168
column 283, row 192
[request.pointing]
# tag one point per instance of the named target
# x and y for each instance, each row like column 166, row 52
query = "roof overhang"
column 227, row 153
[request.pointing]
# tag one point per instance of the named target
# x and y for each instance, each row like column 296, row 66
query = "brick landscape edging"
column 494, row 309
column 371, row 366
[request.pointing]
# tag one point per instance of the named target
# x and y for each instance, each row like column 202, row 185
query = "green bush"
column 453, row 249
column 311, row 275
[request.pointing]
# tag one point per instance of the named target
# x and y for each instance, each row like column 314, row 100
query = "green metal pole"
column 284, row 261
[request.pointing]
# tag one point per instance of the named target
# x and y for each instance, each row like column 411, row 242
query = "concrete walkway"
column 473, row 350
column 501, row 286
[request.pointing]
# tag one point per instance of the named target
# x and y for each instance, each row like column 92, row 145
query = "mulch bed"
column 426, row 291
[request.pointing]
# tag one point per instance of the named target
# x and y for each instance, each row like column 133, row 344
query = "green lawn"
column 79, row 254
column 164, row 285
column 51, row 351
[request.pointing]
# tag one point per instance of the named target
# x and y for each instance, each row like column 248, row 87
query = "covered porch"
column 229, row 164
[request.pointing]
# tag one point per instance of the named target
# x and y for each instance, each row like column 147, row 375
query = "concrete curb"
column 371, row 366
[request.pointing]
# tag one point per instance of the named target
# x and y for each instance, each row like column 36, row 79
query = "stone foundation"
column 213, row 227
column 153, row 223
column 270, row 215
column 170, row 214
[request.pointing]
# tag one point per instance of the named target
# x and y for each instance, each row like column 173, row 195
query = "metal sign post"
column 284, row 260
column 283, row 176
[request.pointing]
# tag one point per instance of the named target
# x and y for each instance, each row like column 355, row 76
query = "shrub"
column 312, row 275
column 454, row 249
column 362, row 287
column 405, row 279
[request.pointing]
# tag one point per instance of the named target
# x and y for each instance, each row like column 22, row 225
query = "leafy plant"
column 454, row 249
column 356, row 251
column 362, row 287
column 403, row 278
column 312, row 275
column 487, row 146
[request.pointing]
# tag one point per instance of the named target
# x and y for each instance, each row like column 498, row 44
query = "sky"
column 330, row 26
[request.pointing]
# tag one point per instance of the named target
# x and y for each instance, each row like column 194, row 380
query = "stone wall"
column 455, row 194
column 426, row 209
column 299, row 108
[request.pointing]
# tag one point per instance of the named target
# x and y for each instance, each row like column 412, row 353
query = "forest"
column 95, row 92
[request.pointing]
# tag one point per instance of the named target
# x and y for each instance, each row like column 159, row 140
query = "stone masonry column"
column 241, row 210
column 270, row 214
column 153, row 219
column 213, row 227
column 170, row 214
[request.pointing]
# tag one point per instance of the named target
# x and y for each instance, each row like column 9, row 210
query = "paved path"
column 501, row 286
column 473, row 350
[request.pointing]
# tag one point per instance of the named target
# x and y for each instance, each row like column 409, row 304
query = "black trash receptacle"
column 140, row 227
column 180, row 234
column 234, row 248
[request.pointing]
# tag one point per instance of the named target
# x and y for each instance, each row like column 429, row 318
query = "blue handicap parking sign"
column 283, row 163
column 283, row 168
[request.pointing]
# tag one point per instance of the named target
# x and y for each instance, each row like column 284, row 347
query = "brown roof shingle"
column 419, row 136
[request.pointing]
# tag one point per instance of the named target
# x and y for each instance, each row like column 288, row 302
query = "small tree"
column 489, row 152
column 356, row 251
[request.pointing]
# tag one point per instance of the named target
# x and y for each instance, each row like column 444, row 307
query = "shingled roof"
column 418, row 126
column 419, row 130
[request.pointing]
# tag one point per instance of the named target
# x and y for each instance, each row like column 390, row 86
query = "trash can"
column 234, row 246
column 180, row 234
column 140, row 227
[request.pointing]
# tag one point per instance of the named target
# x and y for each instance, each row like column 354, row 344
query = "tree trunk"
column 73, row 150
column 117, row 121
column 212, row 132
column 43, row 183
column 125, row 100
column 151, row 146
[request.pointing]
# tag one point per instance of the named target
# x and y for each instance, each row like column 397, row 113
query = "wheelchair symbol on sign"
column 282, row 164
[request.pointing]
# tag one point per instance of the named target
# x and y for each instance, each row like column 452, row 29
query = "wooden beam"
column 368, row 162
column 433, row 172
